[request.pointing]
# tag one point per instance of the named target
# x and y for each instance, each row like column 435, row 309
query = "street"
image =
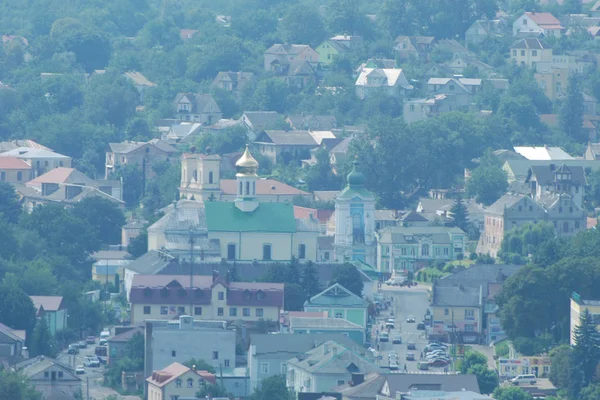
column 406, row 301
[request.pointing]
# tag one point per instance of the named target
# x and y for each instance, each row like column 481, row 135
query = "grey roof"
column 456, row 296
column 544, row 174
column 520, row 168
column 39, row 364
column 530, row 43
column 30, row 152
column 127, row 335
column 343, row 146
column 326, row 195
column 261, row 120
column 413, row 216
column 368, row 390
column 404, row 383
column 150, row 263
column 445, row 395
column 407, row 234
column 479, row 275
column 182, row 216
column 452, row 46
column 336, row 295
column 323, row 323
column 288, row 346
column 433, row 205
column 336, row 360
column 9, row 333
column 291, row 138
column 508, row 200
column 314, row 122
column 199, row 101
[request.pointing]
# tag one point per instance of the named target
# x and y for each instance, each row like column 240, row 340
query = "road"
column 406, row 302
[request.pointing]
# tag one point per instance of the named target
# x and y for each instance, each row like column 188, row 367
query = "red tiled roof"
column 173, row 371
column 56, row 175
column 543, row 18
column 13, row 163
column 305, row 212
column 591, row 222
column 263, row 187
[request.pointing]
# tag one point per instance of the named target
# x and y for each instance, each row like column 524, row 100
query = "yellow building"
column 524, row 365
column 578, row 307
column 458, row 311
column 176, row 381
column 528, row 52
column 206, row 298
column 553, row 82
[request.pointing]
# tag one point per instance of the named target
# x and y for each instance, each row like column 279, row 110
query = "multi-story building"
column 204, row 297
column 553, row 82
column 391, row 81
column 540, row 23
column 53, row 310
column 40, row 160
column 339, row 302
column 196, row 107
column 279, row 57
column 182, row 339
column 51, row 378
column 578, row 307
column 177, row 381
column 405, row 248
column 12, row 345
column 528, row 52
column 457, row 313
column 142, row 154
column 14, row 170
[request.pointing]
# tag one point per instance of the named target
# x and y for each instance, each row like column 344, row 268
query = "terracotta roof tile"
column 263, row 187
column 13, row 163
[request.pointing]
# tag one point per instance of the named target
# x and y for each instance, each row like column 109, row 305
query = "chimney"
column 357, row 378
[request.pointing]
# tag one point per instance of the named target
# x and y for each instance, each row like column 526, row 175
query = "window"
column 241, row 188
column 340, row 382
column 221, row 295
column 403, row 251
column 524, row 21
column 173, row 353
column 195, row 175
column 215, row 355
column 534, row 53
column 226, row 363
column 246, row 312
column 190, row 382
column 339, row 314
column 60, row 374
column 283, row 368
column 210, row 177
column 469, row 328
column 469, row 313
column 326, row 256
column 576, row 224
column 233, row 312
column 566, row 226
column 514, row 53
column 197, row 310
column 446, row 251
column 147, row 310
column 412, row 107
column 570, row 209
column 522, row 52
column 178, row 383
column 425, row 250
column 220, row 311
column 446, row 312
column 180, row 310
column 264, row 368
column 302, row 251
column 46, row 374
column 259, row 312
column 3, row 176
column 53, row 375
column 530, row 208
column 164, row 310
column 559, row 209
column 19, row 176
column 266, row 251
column 231, row 251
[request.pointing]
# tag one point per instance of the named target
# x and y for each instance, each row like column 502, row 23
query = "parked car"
column 526, row 379
column 82, row 344
column 392, row 354
column 397, row 339
column 410, row 356
column 91, row 339
column 390, row 323
column 393, row 365
column 384, row 337
column 423, row 366
column 105, row 334
column 73, row 349
column 421, row 326
column 79, row 370
column 411, row 319
column 103, row 342
column 438, row 363
column 102, row 360
column 411, row 346
column 101, row 351
column 91, row 362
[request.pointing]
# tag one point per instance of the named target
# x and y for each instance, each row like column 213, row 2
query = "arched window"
column 425, row 250
column 195, row 175
column 210, row 177
column 247, row 188
column 190, row 382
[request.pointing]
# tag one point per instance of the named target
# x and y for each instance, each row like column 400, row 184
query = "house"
column 67, row 186
column 233, row 82
column 284, row 146
column 385, row 63
column 140, row 82
column 325, row 367
column 339, row 302
column 459, row 90
column 594, row 32
column 14, row 170
column 41, row 160
column 592, row 152
column 109, row 272
column 132, row 229
column 420, row 109
column 509, row 367
column 543, row 153
column 595, row 10
column 338, row 155
column 553, row 82
column 118, row 345
column 268, row 354
column 517, row 170
column 483, row 29
column 327, row 325
column 416, row 47
column 299, row 74
column 390, row 81
column 453, row 48
column 201, row 180
column 177, row 381
column 578, row 307
column 411, row 219
column 488, row 277
column 258, row 121
column 53, row 379
column 355, row 221
column 142, row 154
column 329, row 50
column 167, row 296
column 187, row 34
column 52, row 310
column 406, row 248
column 530, row 51
column 312, row 122
column 590, row 104
column 538, row 23
column 550, row 179
column 184, row 338
column 279, row 57
column 348, row 41
column 12, row 345
column 462, row 306
column 393, row 386
column 181, row 132
column 591, row 123
column 196, row 107
column 458, row 65
column 16, row 143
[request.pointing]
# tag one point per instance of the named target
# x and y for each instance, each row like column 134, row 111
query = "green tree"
column 254, row 24
column 8, row 241
column 211, row 391
column 271, row 388
column 270, row 95
column 110, row 99
column 460, row 214
column 15, row 386
column 511, row 393
column 348, row 276
column 570, row 116
column 200, row 364
column 310, row 280
column 16, row 308
column 133, row 183
column 229, row 140
column 592, row 392
column 487, row 183
column 476, row 363
column 586, row 351
column 320, row 176
column 91, row 47
column 303, row 25
column 103, row 216
column 42, row 343
column 393, row 18
column 9, row 205
column 560, row 358
column 138, row 246
column 294, row 297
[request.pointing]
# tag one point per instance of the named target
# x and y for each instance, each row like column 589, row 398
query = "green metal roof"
column 366, row 269
column 268, row 217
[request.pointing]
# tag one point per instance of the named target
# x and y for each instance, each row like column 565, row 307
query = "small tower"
column 246, row 177
column 355, row 221
column 563, row 180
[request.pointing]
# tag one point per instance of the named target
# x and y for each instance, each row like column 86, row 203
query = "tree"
column 560, row 358
column 110, row 99
column 9, row 205
column 310, row 280
column 570, row 116
column 294, row 297
column 103, row 216
column 586, row 352
column 271, row 388
column 476, row 363
column 8, row 241
column 592, row 392
column 42, row 343
column 392, row 18
column 348, row 276
column 303, row 24
column 210, row 391
column 229, row 140
column 91, row 47
column 133, row 183
column 320, row 175
column 16, row 308
column 460, row 214
column 200, row 364
column 138, row 246
column 511, row 393
column 15, row 386
column 487, row 183
column 255, row 24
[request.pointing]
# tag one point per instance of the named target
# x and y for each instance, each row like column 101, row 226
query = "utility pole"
column 191, row 271
column 87, row 388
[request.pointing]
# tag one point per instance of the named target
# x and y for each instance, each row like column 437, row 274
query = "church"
column 248, row 228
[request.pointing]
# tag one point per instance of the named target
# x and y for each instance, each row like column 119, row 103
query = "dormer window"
column 260, row 295
column 198, row 293
column 247, row 295
column 164, row 292
column 147, row 292
column 181, row 292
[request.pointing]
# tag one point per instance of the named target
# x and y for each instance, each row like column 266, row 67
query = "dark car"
column 421, row 326
column 411, row 346
column 102, row 360
column 101, row 351
column 73, row 349
column 438, row 362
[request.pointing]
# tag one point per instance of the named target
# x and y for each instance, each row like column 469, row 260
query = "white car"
column 79, row 370
column 392, row 354
column 393, row 365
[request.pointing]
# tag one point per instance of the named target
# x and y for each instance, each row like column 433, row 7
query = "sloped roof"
column 456, row 296
column 32, row 152
column 49, row 303
column 150, row 263
column 395, row 77
column 199, row 101
column 14, row 144
column 336, row 360
column 405, row 383
column 543, row 18
column 343, row 146
column 408, row 234
column 544, row 174
column 291, row 49
column 127, row 335
column 288, row 346
column 13, row 163
column 530, row 43
column 480, row 275
column 332, row 323
column 542, row 153
column 185, row 215
column 508, row 200
column 261, row 120
column 267, row 217
column 139, row 79
column 61, row 175
column 336, row 295
column 287, row 138
column 413, row 216
column 34, row 366
column 174, row 371
column 263, row 187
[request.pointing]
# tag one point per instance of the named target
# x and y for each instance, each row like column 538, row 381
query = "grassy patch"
column 502, row 349
column 429, row 274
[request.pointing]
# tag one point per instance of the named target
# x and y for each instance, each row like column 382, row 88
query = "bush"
column 439, row 265
column 473, row 256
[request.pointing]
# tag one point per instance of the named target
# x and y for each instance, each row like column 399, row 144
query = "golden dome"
column 247, row 163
